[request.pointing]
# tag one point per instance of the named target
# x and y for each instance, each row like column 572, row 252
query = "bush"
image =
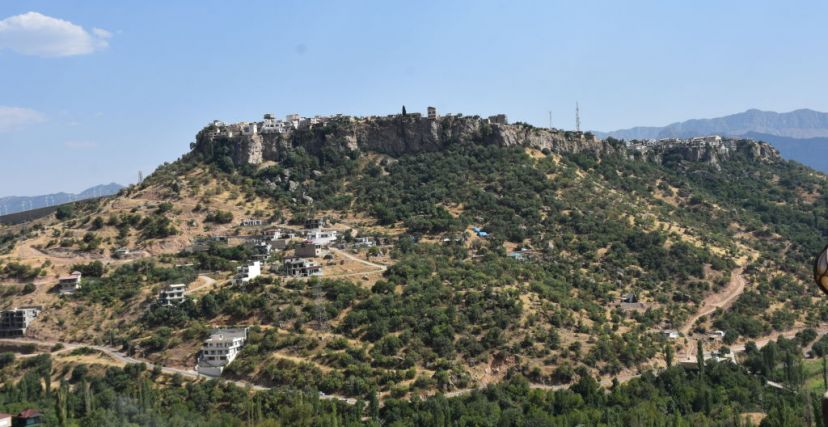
column 65, row 212
column 219, row 217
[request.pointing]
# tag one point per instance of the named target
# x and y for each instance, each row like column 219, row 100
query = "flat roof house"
column 172, row 294
column 220, row 350
column 308, row 250
column 320, row 237
column 432, row 113
column 248, row 272
column 299, row 267
column 71, row 283
column 314, row 223
column 14, row 322
column 365, row 242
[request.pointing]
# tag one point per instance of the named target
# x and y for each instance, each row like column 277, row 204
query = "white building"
column 220, row 350
column 271, row 124
column 321, row 237
column 249, row 128
column 670, row 334
column 251, row 223
column 71, row 283
column 364, row 242
column 172, row 294
column 248, row 273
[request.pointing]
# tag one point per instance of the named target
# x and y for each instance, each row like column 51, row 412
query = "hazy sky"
column 94, row 91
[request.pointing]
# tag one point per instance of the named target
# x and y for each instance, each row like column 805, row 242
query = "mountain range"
column 800, row 135
column 13, row 204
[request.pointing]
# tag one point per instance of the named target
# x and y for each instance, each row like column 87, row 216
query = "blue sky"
column 94, row 91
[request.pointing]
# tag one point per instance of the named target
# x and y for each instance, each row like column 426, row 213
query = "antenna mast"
column 577, row 117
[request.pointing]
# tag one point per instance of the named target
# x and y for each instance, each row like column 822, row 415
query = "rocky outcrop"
column 702, row 151
column 411, row 134
column 395, row 136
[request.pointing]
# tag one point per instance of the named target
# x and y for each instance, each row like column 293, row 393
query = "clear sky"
column 94, row 91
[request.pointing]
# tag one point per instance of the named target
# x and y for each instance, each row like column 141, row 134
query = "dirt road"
column 719, row 300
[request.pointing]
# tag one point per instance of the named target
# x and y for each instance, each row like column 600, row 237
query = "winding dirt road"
column 719, row 300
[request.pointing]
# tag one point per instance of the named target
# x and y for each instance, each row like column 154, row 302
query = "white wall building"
column 172, row 294
column 71, row 283
column 248, row 272
column 249, row 128
column 321, row 237
column 220, row 350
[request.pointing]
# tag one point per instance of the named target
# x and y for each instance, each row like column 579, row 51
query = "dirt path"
column 124, row 359
column 722, row 299
column 208, row 282
column 379, row 267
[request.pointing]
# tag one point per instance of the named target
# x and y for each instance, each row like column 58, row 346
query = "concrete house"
column 364, row 242
column 71, row 283
column 247, row 273
column 14, row 322
column 251, row 223
column 220, row 350
column 431, row 113
column 314, row 223
column 172, row 294
column 670, row 334
column 320, row 237
column 308, row 250
column 299, row 267
column 498, row 119
column 280, row 243
column 249, row 128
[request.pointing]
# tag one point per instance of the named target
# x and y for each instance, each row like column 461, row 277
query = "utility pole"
column 577, row 117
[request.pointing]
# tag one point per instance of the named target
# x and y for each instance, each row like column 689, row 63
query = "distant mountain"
column 12, row 204
column 800, row 135
column 795, row 124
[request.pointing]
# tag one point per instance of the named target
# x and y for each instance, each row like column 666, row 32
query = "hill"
column 501, row 251
column 14, row 204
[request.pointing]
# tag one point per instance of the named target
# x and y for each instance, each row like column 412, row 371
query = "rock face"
column 394, row 136
column 702, row 151
column 411, row 134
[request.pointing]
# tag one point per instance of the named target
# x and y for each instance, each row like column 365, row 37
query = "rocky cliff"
column 712, row 152
column 411, row 134
column 392, row 135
